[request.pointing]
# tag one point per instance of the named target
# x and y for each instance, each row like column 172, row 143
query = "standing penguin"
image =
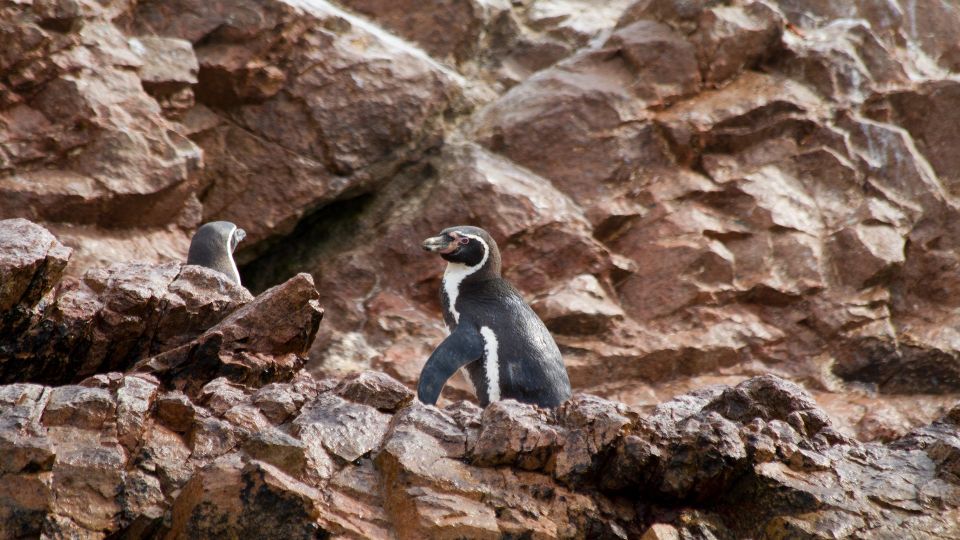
column 212, row 246
column 507, row 350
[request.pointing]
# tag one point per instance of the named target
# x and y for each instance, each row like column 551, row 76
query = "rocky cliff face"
column 689, row 192
column 219, row 433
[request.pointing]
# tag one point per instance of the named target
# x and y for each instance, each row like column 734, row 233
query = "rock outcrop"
column 690, row 191
column 709, row 192
column 220, row 432
column 356, row 458
column 690, row 194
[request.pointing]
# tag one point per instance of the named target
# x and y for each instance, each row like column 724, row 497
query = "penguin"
column 212, row 246
column 506, row 349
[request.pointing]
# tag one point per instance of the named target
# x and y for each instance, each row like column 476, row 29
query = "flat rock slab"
column 346, row 430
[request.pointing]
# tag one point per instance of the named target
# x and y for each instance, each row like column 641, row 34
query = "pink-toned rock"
column 116, row 316
column 84, row 143
column 446, row 30
column 346, row 430
column 516, row 434
column 690, row 192
column 375, row 389
column 228, row 497
column 499, row 43
column 135, row 399
column 165, row 455
column 81, row 477
column 25, row 446
column 578, row 307
column 593, row 425
column 219, row 395
column 169, row 70
column 175, row 411
column 80, row 407
column 260, row 343
column 727, row 39
column 31, row 263
column 279, row 449
column 210, row 438
column 344, row 101
column 533, row 226
column 278, row 401
column 408, row 476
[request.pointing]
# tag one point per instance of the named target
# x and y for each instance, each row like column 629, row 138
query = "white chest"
column 454, row 275
column 452, row 278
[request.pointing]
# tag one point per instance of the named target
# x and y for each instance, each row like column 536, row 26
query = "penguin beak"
column 439, row 244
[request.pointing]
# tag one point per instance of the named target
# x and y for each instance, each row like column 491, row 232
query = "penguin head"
column 213, row 245
column 466, row 245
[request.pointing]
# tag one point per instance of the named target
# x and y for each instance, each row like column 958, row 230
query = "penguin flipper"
column 460, row 348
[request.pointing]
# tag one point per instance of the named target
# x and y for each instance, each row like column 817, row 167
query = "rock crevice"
column 222, row 432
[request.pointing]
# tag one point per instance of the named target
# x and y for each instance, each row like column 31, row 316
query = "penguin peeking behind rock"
column 213, row 245
column 507, row 350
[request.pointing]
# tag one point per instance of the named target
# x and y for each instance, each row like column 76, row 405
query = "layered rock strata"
column 222, row 433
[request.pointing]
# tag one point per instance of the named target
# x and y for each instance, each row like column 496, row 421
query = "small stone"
column 79, row 407
column 347, row 430
column 376, row 389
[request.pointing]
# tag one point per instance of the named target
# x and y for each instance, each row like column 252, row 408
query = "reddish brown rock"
column 346, row 430
column 260, row 343
column 342, row 100
column 116, row 316
column 578, row 307
column 375, row 389
column 517, row 435
column 79, row 407
column 169, row 70
column 175, row 411
column 31, row 263
column 772, row 192
column 594, row 462
column 533, row 225
column 279, row 449
column 245, row 499
column 593, row 426
column 220, row 395
column 279, row 401
column 165, row 455
column 446, row 30
column 83, row 141
column 727, row 39
column 499, row 43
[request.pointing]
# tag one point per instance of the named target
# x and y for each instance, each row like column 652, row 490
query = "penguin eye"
column 463, row 241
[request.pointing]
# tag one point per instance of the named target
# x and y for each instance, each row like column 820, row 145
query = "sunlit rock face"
column 688, row 192
column 221, row 432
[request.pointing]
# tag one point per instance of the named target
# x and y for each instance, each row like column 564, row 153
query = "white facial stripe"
column 491, row 363
column 457, row 272
column 229, row 253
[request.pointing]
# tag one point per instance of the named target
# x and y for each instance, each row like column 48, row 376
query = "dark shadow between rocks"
column 313, row 237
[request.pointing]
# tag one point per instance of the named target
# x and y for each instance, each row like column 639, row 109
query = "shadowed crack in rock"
column 227, row 435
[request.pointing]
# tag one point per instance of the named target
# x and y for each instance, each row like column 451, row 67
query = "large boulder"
column 299, row 104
